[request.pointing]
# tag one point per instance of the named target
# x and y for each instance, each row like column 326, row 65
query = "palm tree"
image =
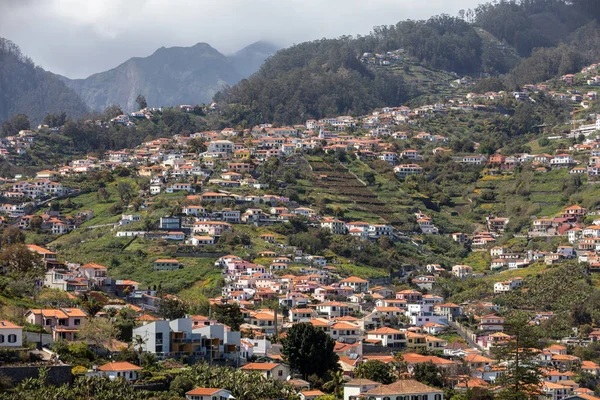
column 138, row 345
column 336, row 384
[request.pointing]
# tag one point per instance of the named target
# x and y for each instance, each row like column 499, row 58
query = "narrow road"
column 466, row 337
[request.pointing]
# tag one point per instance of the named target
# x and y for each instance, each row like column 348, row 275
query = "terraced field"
column 349, row 192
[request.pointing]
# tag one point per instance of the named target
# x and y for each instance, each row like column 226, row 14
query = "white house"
column 562, row 160
column 401, row 389
column 462, row 271
column 11, row 335
column 357, row 284
column 122, row 369
column 208, row 394
column 221, row 146
column 386, row 337
column 198, row 240
column 508, row 285
column 278, row 372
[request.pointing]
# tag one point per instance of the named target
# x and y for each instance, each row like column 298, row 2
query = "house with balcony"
column 180, row 337
column 334, row 309
column 345, row 332
column 63, row 323
column 95, row 273
column 491, row 322
column 336, row 226
column 562, row 160
column 356, row 284
column 386, row 337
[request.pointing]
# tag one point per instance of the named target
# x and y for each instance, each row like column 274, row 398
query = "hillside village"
column 221, row 197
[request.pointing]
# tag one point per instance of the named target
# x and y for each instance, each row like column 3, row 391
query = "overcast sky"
column 77, row 38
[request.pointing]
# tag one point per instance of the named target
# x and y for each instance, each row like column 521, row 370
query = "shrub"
column 79, row 370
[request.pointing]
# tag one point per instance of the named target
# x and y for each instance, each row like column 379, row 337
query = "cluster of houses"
column 367, row 322
column 385, row 59
column 11, row 146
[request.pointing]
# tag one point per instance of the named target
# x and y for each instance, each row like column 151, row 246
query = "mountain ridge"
column 170, row 76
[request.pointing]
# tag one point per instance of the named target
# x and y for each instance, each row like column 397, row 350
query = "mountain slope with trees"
column 28, row 89
column 326, row 77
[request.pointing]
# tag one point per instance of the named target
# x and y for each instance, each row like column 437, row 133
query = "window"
column 1, row 338
column 280, row 373
column 12, row 338
column 48, row 322
column 438, row 397
column 77, row 322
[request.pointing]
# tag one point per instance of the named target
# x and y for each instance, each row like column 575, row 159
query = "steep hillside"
column 27, row 89
column 170, row 76
column 352, row 75
column 345, row 75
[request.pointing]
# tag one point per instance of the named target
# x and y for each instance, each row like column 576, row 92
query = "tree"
column 55, row 120
column 141, row 102
column 17, row 123
column 112, row 112
column 102, row 194
column 91, row 306
column 309, row 350
column 172, row 308
column 12, row 235
column 196, row 145
column 428, row 374
column 125, row 191
column 520, row 356
column 369, row 177
column 228, row 314
column 125, row 321
column 336, row 384
column 22, row 264
column 100, row 332
column 376, row 370
column 138, row 343
column 54, row 298
column 35, row 224
column 181, row 385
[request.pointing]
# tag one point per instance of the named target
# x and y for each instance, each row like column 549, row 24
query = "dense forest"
column 27, row 89
column 326, row 78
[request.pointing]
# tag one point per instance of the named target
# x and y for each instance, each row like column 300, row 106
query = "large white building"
column 221, row 146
